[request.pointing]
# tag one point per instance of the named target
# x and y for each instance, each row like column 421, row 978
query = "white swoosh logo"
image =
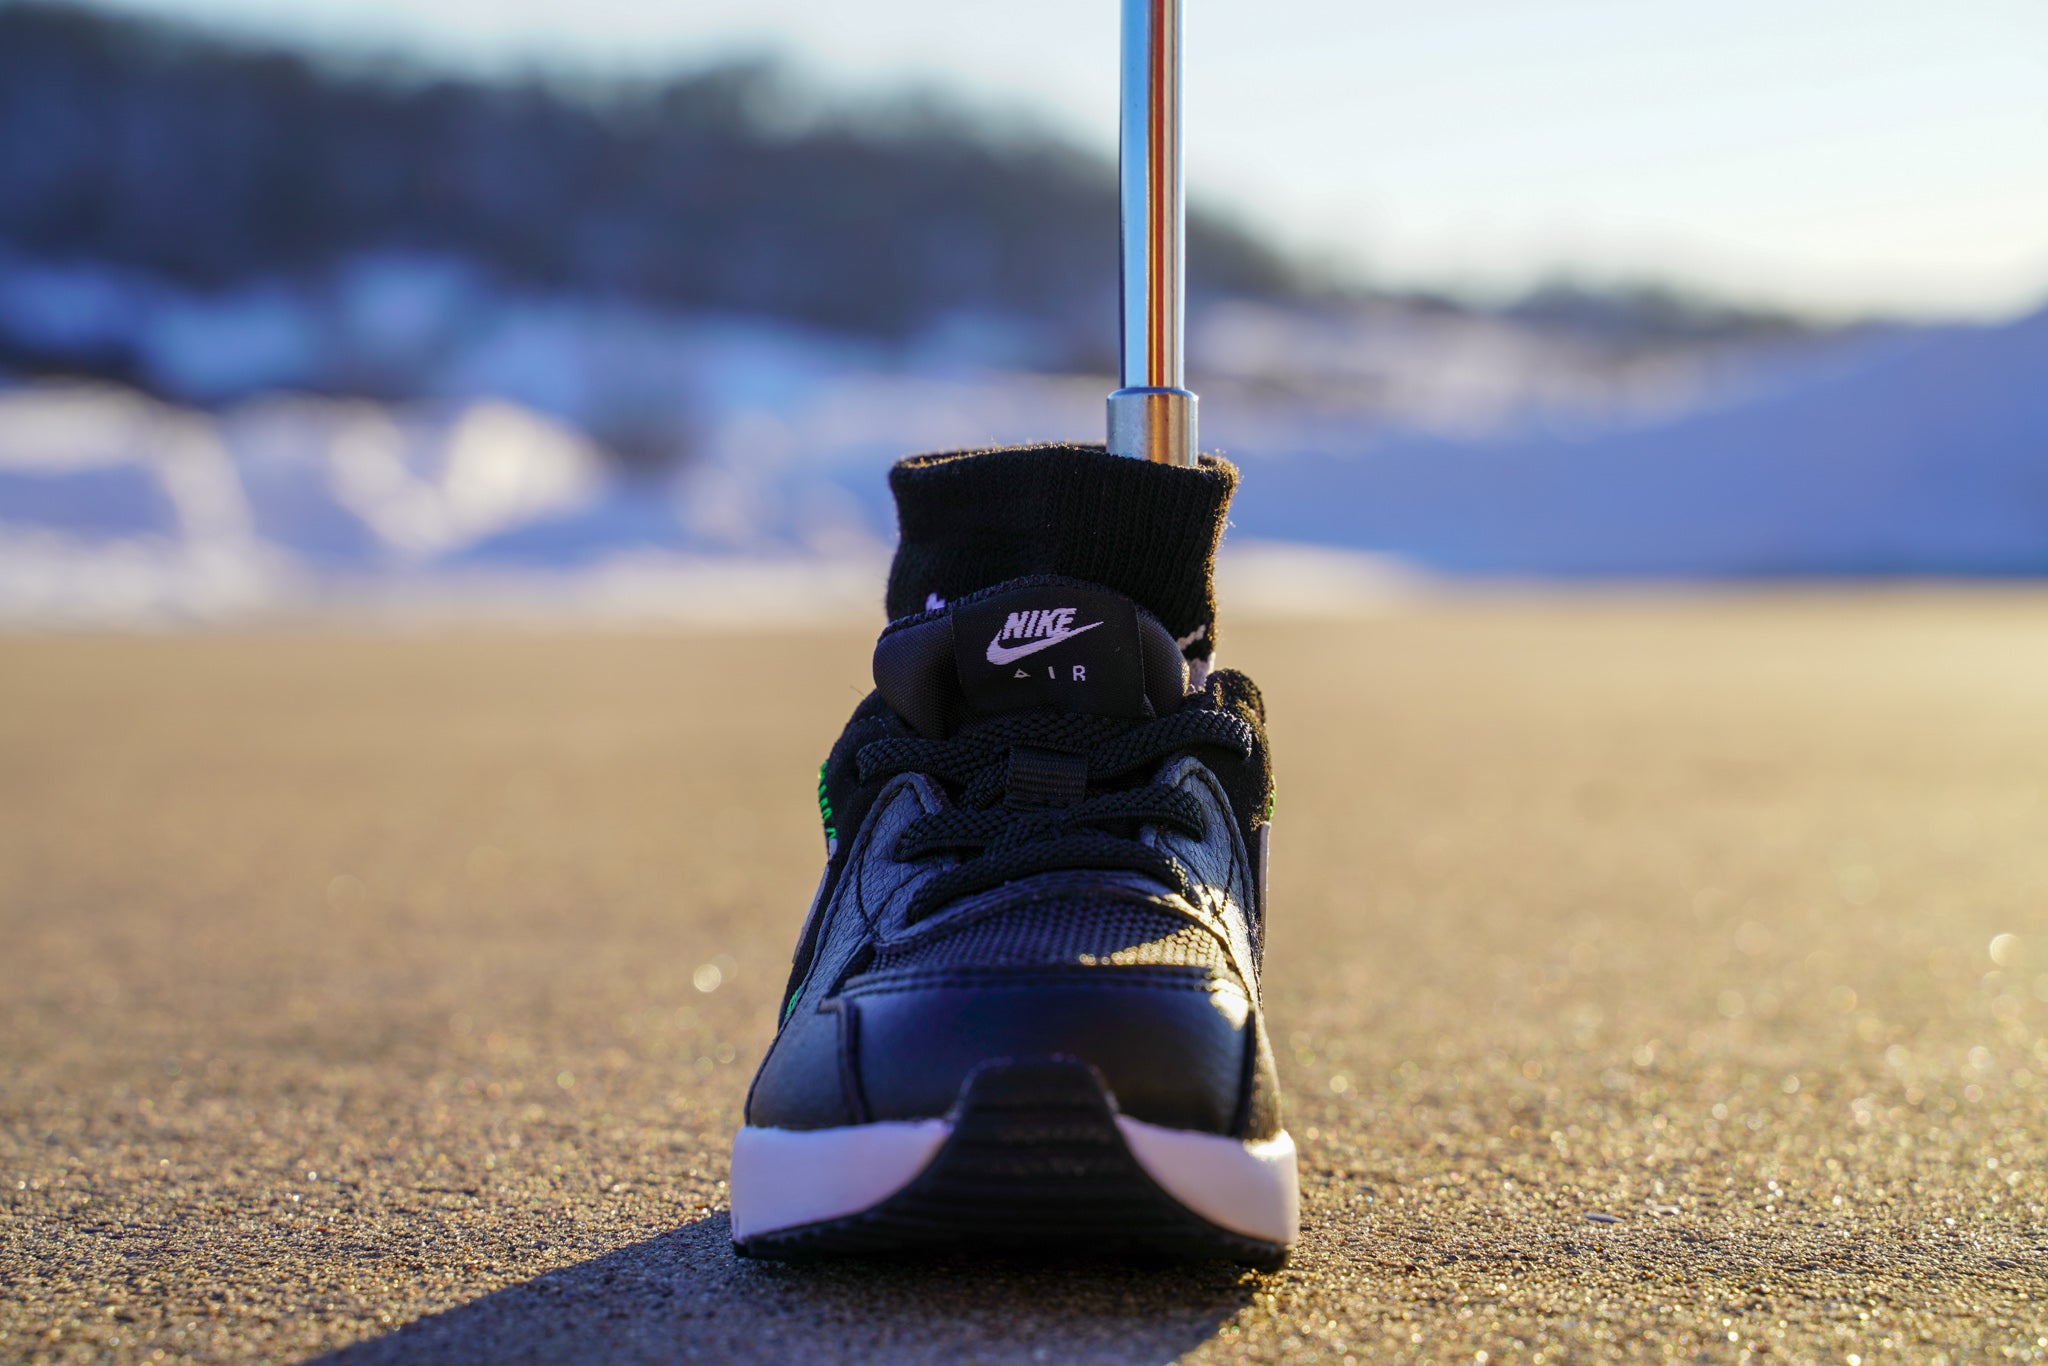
column 1010, row 654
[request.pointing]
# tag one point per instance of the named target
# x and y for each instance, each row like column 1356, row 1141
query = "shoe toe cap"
column 1173, row 1044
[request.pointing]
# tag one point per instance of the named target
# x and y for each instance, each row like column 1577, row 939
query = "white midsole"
column 786, row 1178
column 782, row 1178
column 1249, row 1188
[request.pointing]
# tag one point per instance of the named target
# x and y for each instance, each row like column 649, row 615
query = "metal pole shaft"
column 1152, row 417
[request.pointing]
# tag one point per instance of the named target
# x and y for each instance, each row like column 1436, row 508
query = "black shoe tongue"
column 1041, row 643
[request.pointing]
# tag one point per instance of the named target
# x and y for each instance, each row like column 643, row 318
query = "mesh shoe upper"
column 1066, row 932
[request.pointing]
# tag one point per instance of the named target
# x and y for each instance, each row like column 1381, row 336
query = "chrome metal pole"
column 1152, row 417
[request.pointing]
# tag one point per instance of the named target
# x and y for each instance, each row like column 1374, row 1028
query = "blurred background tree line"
column 207, row 161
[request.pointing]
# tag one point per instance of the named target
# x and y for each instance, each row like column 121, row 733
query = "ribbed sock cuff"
column 973, row 519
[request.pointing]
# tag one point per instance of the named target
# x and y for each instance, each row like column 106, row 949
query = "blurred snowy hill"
column 1920, row 453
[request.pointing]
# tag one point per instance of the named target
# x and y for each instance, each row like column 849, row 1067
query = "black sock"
column 973, row 519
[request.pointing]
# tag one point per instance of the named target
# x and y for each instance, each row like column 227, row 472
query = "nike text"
column 1039, row 629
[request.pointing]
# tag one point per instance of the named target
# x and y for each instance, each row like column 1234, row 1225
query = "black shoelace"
column 1001, row 839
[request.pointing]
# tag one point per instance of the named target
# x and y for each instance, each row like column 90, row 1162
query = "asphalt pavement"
column 1654, row 977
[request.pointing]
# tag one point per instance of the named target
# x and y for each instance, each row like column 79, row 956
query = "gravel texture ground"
column 1658, row 978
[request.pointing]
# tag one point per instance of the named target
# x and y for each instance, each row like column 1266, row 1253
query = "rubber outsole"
column 1035, row 1164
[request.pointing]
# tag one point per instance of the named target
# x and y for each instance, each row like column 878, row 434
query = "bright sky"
column 1837, row 155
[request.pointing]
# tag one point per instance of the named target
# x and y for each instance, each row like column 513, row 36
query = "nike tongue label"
column 1060, row 646
column 1024, row 625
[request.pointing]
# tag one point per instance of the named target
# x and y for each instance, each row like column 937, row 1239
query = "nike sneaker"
column 1024, row 1011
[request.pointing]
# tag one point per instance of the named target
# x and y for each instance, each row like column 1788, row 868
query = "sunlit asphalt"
column 1652, row 977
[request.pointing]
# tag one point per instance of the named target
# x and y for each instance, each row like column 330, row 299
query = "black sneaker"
column 1025, row 1008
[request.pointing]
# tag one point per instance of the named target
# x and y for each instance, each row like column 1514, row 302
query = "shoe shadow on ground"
column 684, row 1295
